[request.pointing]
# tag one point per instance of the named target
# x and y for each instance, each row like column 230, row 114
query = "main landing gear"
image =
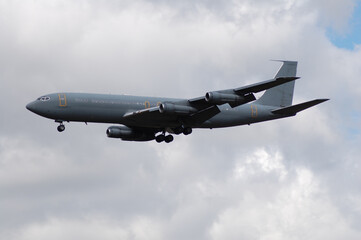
column 182, row 129
column 169, row 138
column 162, row 137
column 187, row 131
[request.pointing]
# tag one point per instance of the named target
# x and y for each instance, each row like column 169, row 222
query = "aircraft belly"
column 114, row 115
column 160, row 121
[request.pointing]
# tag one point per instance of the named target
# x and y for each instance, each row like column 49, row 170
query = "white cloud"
column 300, row 209
column 91, row 228
column 334, row 13
column 261, row 160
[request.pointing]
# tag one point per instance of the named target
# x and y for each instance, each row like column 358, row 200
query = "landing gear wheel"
column 61, row 128
column 178, row 130
column 160, row 138
column 168, row 139
column 187, row 131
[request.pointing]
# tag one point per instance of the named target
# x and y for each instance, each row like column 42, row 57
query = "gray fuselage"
column 103, row 108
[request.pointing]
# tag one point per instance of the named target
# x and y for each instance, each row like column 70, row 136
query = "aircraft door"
column 254, row 111
column 62, row 100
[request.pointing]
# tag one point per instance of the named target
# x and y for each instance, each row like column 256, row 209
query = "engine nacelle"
column 233, row 99
column 221, row 98
column 176, row 108
column 129, row 134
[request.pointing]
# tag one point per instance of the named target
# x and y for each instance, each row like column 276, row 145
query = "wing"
column 155, row 118
column 241, row 95
column 196, row 111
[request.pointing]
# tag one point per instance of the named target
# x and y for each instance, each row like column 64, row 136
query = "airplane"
column 141, row 118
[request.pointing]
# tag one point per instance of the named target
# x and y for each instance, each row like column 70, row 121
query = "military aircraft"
column 152, row 118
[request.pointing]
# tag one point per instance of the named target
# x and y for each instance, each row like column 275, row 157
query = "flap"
column 152, row 117
column 203, row 115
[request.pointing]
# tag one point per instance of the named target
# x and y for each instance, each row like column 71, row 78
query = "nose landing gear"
column 61, row 127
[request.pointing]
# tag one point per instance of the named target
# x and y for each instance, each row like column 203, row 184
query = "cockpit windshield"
column 43, row 98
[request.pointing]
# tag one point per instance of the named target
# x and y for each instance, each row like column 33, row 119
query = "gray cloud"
column 292, row 178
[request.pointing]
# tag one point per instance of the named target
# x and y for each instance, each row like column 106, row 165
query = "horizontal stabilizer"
column 292, row 110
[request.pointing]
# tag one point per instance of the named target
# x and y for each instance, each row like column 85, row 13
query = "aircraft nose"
column 31, row 106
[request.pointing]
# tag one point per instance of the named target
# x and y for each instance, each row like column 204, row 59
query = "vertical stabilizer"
column 282, row 95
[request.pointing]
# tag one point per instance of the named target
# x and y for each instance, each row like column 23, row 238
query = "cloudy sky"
column 296, row 178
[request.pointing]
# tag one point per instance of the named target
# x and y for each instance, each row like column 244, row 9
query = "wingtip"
column 279, row 60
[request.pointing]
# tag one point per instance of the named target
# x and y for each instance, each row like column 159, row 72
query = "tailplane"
column 282, row 95
column 293, row 110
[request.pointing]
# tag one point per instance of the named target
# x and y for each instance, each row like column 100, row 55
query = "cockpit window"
column 44, row 98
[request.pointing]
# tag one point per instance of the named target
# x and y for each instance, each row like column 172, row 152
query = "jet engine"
column 233, row 99
column 129, row 134
column 176, row 108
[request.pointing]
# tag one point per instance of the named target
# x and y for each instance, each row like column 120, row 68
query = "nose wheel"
column 61, row 127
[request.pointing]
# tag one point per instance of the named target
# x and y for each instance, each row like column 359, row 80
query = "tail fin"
column 282, row 95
